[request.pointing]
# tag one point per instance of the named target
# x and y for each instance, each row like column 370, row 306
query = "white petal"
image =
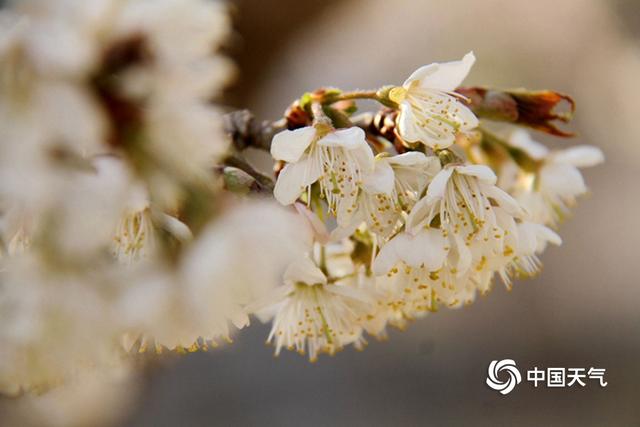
column 581, row 156
column 439, row 184
column 347, row 207
column 293, row 180
column 351, row 292
column 533, row 238
column 407, row 124
column 304, row 271
column 562, row 179
column 527, row 241
column 505, row 201
column 408, row 249
column 442, row 76
column 414, row 172
column 289, row 145
column 339, row 233
column 418, row 215
column 353, row 140
column 381, row 180
column 521, row 139
column 461, row 255
column 431, row 250
column 549, row 235
column 319, row 228
column 482, row 172
column 344, row 231
column 349, row 138
column 240, row 319
column 410, row 158
column 265, row 308
column 506, row 222
column 465, row 117
column 363, row 155
column 176, row 228
column 387, row 258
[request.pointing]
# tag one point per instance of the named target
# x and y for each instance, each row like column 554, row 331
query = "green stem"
column 355, row 94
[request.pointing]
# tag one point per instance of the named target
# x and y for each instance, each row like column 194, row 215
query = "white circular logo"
column 507, row 365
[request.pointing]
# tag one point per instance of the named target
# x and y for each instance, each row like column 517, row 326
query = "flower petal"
column 562, row 179
column 418, row 215
column 407, row 123
column 347, row 206
column 319, row 228
column 460, row 256
column 413, row 170
column 581, row 156
column 387, row 258
column 408, row 249
column 294, row 178
column 381, row 180
column 438, row 185
column 482, row 172
column 289, row 145
column 305, row 271
column 348, row 138
column 339, row 233
column 442, row 76
column 545, row 235
column 521, row 139
column 527, row 242
column 431, row 248
column 504, row 199
column 410, row 158
column 363, row 155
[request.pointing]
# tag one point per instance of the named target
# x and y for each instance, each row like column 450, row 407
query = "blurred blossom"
column 95, row 399
column 106, row 127
column 550, row 192
column 203, row 297
column 55, row 324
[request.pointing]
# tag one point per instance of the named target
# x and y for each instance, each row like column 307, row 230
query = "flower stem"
column 355, row 94
column 320, row 119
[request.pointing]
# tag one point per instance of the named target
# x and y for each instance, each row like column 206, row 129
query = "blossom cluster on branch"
column 137, row 217
column 428, row 203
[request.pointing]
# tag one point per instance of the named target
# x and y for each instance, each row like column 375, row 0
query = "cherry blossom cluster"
column 442, row 208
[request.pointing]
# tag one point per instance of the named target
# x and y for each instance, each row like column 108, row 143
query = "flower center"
column 398, row 94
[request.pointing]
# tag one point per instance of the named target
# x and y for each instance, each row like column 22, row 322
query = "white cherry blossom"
column 455, row 237
column 338, row 160
column 393, row 187
column 430, row 111
column 550, row 192
column 312, row 315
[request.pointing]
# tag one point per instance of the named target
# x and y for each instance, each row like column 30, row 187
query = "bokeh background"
column 582, row 311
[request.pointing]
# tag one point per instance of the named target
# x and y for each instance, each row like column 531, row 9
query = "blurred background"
column 582, row 311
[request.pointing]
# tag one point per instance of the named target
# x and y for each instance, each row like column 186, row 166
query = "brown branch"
column 245, row 132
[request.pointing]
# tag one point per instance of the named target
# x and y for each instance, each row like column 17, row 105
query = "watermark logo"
column 509, row 367
column 549, row 377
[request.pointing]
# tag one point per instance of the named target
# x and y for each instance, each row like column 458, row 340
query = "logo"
column 508, row 366
column 549, row 377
